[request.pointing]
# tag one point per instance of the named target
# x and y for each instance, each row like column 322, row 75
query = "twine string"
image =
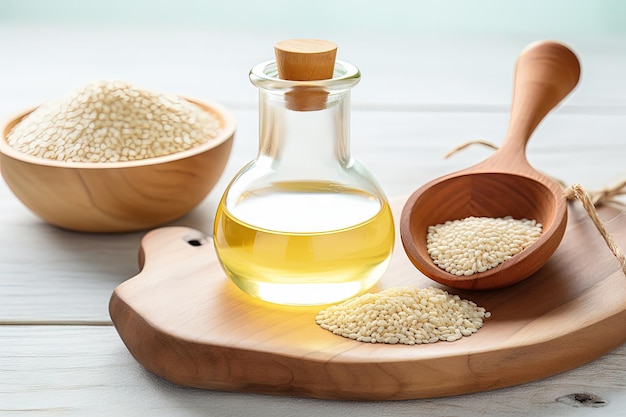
column 577, row 192
column 468, row 144
column 589, row 201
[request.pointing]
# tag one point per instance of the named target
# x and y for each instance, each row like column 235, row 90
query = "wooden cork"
column 305, row 60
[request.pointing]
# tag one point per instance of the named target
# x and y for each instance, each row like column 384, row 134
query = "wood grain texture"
column 184, row 321
column 117, row 196
column 505, row 184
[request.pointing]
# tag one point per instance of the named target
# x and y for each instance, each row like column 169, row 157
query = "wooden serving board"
column 183, row 320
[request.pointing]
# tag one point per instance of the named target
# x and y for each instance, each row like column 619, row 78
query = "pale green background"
column 523, row 18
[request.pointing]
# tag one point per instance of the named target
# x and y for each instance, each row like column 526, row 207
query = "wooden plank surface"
column 401, row 127
column 79, row 371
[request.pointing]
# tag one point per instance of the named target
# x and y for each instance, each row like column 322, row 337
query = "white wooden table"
column 419, row 97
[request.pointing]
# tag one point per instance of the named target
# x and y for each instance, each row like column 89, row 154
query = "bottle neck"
column 302, row 140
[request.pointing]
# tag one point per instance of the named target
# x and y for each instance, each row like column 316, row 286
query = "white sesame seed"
column 412, row 316
column 114, row 114
column 476, row 244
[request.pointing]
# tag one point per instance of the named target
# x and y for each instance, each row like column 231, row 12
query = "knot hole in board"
column 195, row 239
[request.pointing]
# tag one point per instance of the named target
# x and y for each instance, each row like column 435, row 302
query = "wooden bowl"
column 117, row 196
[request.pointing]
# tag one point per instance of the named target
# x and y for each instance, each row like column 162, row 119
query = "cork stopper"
column 305, row 60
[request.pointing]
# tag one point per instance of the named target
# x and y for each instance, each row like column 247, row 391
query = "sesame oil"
column 320, row 243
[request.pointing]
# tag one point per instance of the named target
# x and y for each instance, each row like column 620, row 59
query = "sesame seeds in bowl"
column 113, row 121
column 112, row 157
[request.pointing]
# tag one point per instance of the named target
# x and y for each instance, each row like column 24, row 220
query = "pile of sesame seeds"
column 113, row 121
column 476, row 244
column 405, row 315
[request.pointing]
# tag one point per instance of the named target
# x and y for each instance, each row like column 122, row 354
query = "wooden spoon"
column 504, row 184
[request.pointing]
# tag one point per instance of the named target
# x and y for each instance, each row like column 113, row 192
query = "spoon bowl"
column 504, row 184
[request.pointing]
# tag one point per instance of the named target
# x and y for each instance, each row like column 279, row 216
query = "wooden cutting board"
column 183, row 320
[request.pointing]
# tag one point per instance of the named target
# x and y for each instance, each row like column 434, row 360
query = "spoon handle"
column 545, row 73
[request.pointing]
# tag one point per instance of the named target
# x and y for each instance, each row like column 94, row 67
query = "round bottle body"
column 304, row 243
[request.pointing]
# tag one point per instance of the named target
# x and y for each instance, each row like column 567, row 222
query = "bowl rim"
column 227, row 131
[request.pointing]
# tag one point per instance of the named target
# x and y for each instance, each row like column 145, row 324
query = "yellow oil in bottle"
column 304, row 243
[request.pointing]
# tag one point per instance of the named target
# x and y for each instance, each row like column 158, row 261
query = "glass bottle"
column 304, row 223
